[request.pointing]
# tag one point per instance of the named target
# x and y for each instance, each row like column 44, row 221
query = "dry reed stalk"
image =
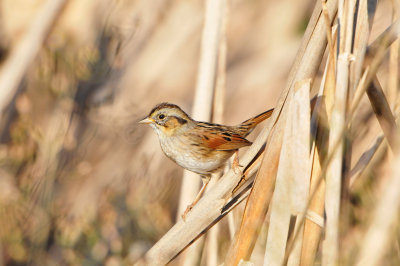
column 360, row 43
column 254, row 212
column 336, row 123
column 189, row 188
column 375, row 52
column 218, row 112
column 384, row 219
column 210, row 251
column 203, row 101
column 323, row 107
column 312, row 230
column 314, row 209
column 374, row 58
column 305, row 66
column 295, row 183
column 319, row 181
column 327, row 88
column 363, row 18
column 301, row 167
column 202, row 106
column 218, row 115
column 220, row 84
column 25, row 52
column 280, row 211
column 389, row 36
column 377, row 60
column 361, row 30
column 364, row 15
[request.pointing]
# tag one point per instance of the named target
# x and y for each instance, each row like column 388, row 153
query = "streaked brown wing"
column 222, row 139
column 222, row 144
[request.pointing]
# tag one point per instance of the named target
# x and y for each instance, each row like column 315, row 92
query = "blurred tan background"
column 81, row 182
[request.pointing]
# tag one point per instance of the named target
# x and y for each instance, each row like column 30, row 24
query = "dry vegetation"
column 82, row 184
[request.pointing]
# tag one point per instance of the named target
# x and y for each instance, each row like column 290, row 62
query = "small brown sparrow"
column 199, row 147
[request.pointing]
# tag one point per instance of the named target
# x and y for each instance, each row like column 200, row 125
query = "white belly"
column 197, row 166
column 188, row 159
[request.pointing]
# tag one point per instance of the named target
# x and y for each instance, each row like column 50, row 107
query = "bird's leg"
column 245, row 176
column 235, row 163
column 206, row 180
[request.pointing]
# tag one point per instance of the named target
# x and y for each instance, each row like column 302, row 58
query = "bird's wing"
column 225, row 139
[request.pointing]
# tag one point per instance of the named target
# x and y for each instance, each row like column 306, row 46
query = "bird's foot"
column 235, row 164
column 188, row 209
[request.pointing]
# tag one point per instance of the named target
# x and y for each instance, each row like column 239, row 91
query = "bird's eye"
column 161, row 116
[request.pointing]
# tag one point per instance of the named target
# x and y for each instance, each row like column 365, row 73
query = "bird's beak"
column 147, row 120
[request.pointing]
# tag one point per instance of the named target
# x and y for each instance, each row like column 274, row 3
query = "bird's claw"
column 236, row 166
column 188, row 209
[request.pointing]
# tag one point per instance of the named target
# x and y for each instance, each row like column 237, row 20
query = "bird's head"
column 167, row 119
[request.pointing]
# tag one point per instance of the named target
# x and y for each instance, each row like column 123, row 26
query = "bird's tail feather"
column 247, row 126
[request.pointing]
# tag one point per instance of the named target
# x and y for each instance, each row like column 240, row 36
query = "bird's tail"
column 247, row 126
